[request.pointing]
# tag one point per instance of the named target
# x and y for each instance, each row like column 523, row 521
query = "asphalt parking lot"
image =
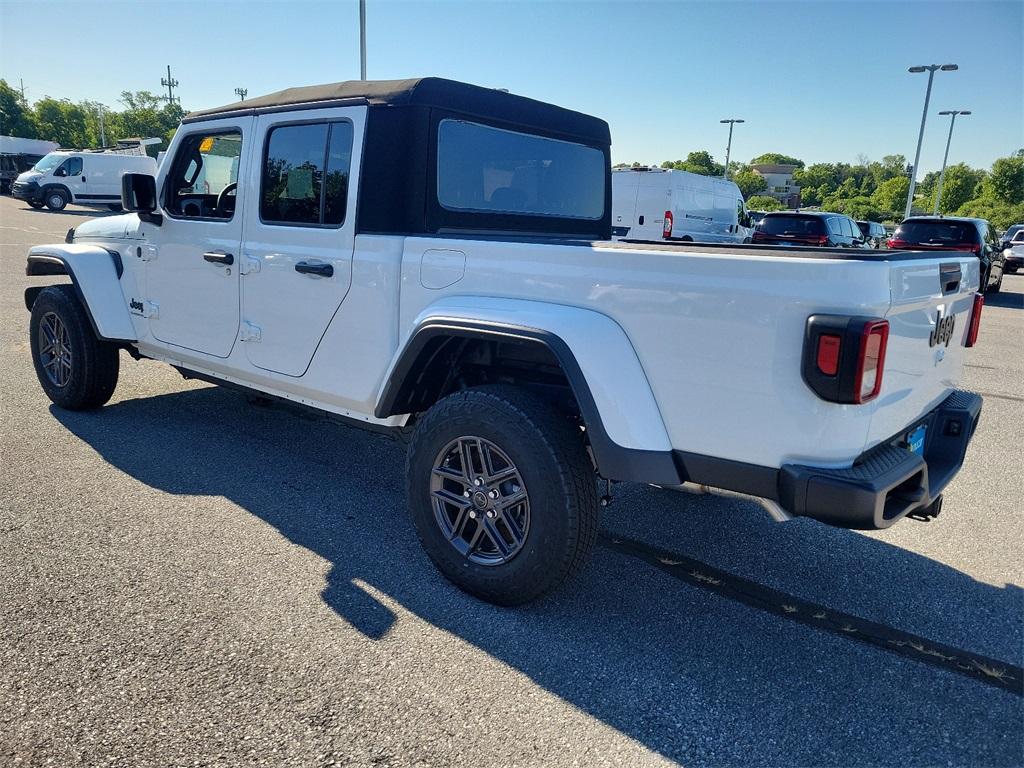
column 189, row 579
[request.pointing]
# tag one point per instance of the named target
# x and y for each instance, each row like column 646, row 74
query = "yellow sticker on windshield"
column 206, row 144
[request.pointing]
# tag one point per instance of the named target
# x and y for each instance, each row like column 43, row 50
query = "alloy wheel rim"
column 55, row 349
column 480, row 501
column 56, row 200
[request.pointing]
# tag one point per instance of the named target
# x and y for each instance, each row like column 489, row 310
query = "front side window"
column 72, row 166
column 491, row 170
column 204, row 176
column 305, row 174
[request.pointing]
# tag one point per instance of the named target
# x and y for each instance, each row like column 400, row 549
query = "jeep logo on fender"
column 943, row 330
column 136, row 306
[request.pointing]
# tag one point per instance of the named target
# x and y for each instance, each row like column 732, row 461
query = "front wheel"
column 76, row 370
column 56, row 199
column 502, row 493
column 35, row 204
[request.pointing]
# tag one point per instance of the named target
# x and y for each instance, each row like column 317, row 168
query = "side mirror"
column 138, row 195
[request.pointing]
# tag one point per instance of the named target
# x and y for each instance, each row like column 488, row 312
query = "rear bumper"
column 888, row 482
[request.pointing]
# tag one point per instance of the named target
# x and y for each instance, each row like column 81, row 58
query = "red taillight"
column 827, row 358
column 895, row 242
column 758, row 236
column 666, row 230
column 972, row 329
column 822, row 239
column 871, row 361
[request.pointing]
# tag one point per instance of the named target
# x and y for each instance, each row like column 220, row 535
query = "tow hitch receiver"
column 929, row 513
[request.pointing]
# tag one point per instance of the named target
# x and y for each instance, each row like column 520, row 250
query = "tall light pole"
column 103, row 133
column 931, row 69
column 942, row 174
column 362, row 39
column 728, row 147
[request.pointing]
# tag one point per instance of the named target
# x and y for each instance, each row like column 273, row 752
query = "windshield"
column 791, row 225
column 48, row 163
column 937, row 232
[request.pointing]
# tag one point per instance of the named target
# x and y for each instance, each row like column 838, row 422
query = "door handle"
column 219, row 257
column 315, row 268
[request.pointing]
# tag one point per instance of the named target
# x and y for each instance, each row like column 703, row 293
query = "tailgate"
column 925, row 355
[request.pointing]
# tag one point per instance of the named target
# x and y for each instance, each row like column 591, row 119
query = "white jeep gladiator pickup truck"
column 433, row 259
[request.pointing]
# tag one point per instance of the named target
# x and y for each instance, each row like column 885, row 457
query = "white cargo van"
column 656, row 204
column 80, row 177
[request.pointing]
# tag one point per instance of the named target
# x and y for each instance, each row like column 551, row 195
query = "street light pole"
column 728, row 147
column 362, row 39
column 942, row 174
column 931, row 69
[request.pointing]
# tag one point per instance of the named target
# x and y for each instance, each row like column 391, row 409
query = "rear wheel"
column 502, row 493
column 56, row 199
column 76, row 370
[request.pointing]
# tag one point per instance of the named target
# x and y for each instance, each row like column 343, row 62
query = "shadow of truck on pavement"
column 698, row 678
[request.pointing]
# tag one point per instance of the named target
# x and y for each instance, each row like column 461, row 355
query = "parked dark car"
column 948, row 233
column 874, row 233
column 1011, row 234
column 825, row 230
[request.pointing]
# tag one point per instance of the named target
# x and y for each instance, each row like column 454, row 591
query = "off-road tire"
column 547, row 449
column 94, row 363
column 35, row 204
column 56, row 199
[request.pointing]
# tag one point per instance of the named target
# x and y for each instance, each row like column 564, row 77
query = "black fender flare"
column 613, row 461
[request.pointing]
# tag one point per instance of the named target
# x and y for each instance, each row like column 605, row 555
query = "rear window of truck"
column 937, row 232
column 791, row 225
column 491, row 170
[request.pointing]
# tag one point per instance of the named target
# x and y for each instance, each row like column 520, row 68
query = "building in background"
column 780, row 183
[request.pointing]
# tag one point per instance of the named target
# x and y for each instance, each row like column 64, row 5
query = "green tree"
column 891, row 195
column 777, row 159
column 1006, row 181
column 959, row 187
column 61, row 121
column 750, row 183
column 697, row 162
column 764, row 203
column 16, row 117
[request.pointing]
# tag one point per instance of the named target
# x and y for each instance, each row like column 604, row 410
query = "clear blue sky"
column 823, row 81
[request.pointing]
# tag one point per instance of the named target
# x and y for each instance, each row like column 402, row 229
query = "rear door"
column 299, row 234
column 624, row 189
column 652, row 200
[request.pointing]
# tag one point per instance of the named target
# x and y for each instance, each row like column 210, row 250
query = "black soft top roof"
column 429, row 92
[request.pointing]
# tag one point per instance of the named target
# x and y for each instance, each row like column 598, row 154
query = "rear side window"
column 305, row 174
column 938, row 232
column 491, row 170
column 791, row 225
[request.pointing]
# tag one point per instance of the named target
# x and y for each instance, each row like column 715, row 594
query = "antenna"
column 170, row 84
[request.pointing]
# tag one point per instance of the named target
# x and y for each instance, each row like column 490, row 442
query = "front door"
column 299, row 233
column 192, row 274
